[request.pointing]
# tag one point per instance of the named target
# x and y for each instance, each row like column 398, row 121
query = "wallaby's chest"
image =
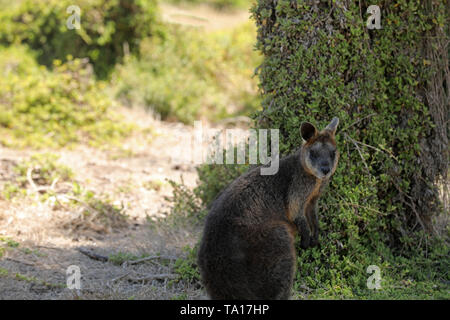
column 302, row 198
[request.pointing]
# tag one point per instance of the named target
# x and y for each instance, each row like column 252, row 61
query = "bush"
column 186, row 268
column 192, row 74
column 106, row 26
column 215, row 178
column 191, row 206
column 40, row 108
column 185, row 205
column 321, row 61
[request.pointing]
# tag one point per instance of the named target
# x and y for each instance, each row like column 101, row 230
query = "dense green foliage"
column 321, row 61
column 106, row 29
column 41, row 108
column 192, row 74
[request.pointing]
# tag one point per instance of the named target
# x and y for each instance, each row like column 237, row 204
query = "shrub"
column 192, row 205
column 214, row 178
column 40, row 108
column 192, row 74
column 321, row 61
column 185, row 203
column 106, row 27
column 186, row 268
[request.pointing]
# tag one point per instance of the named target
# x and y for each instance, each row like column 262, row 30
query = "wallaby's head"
column 319, row 155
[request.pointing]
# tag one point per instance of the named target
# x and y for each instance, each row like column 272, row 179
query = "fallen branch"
column 120, row 277
column 151, row 277
column 54, row 182
column 30, row 179
column 92, row 255
column 131, row 262
column 52, row 248
column 20, row 261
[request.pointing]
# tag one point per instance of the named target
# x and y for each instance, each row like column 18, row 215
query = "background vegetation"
column 43, row 108
column 181, row 73
column 108, row 29
column 192, row 74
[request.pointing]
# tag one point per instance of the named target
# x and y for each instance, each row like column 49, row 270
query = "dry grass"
column 49, row 235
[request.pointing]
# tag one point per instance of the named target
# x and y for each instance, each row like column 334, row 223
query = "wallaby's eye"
column 313, row 155
column 333, row 153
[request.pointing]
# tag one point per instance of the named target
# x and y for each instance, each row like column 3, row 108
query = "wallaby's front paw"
column 305, row 241
column 314, row 242
column 314, row 239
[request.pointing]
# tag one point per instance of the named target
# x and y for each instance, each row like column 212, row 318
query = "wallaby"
column 247, row 250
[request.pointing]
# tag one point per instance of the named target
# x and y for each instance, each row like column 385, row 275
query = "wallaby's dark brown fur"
column 247, row 250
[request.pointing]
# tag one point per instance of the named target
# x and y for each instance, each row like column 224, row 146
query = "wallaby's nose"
column 325, row 169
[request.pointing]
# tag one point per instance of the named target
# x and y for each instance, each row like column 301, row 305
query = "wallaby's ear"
column 333, row 125
column 308, row 131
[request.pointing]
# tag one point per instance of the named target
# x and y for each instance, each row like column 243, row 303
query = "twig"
column 52, row 186
column 325, row 19
column 413, row 207
column 59, row 202
column 30, row 179
column 131, row 262
column 358, row 121
column 108, row 283
column 380, row 150
column 20, row 261
column 87, row 206
column 120, row 277
column 52, row 248
column 36, row 188
column 357, row 206
column 372, row 147
column 150, row 277
column 92, row 255
column 360, row 154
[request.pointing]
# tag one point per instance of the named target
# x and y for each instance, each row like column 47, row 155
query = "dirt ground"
column 49, row 243
column 203, row 16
